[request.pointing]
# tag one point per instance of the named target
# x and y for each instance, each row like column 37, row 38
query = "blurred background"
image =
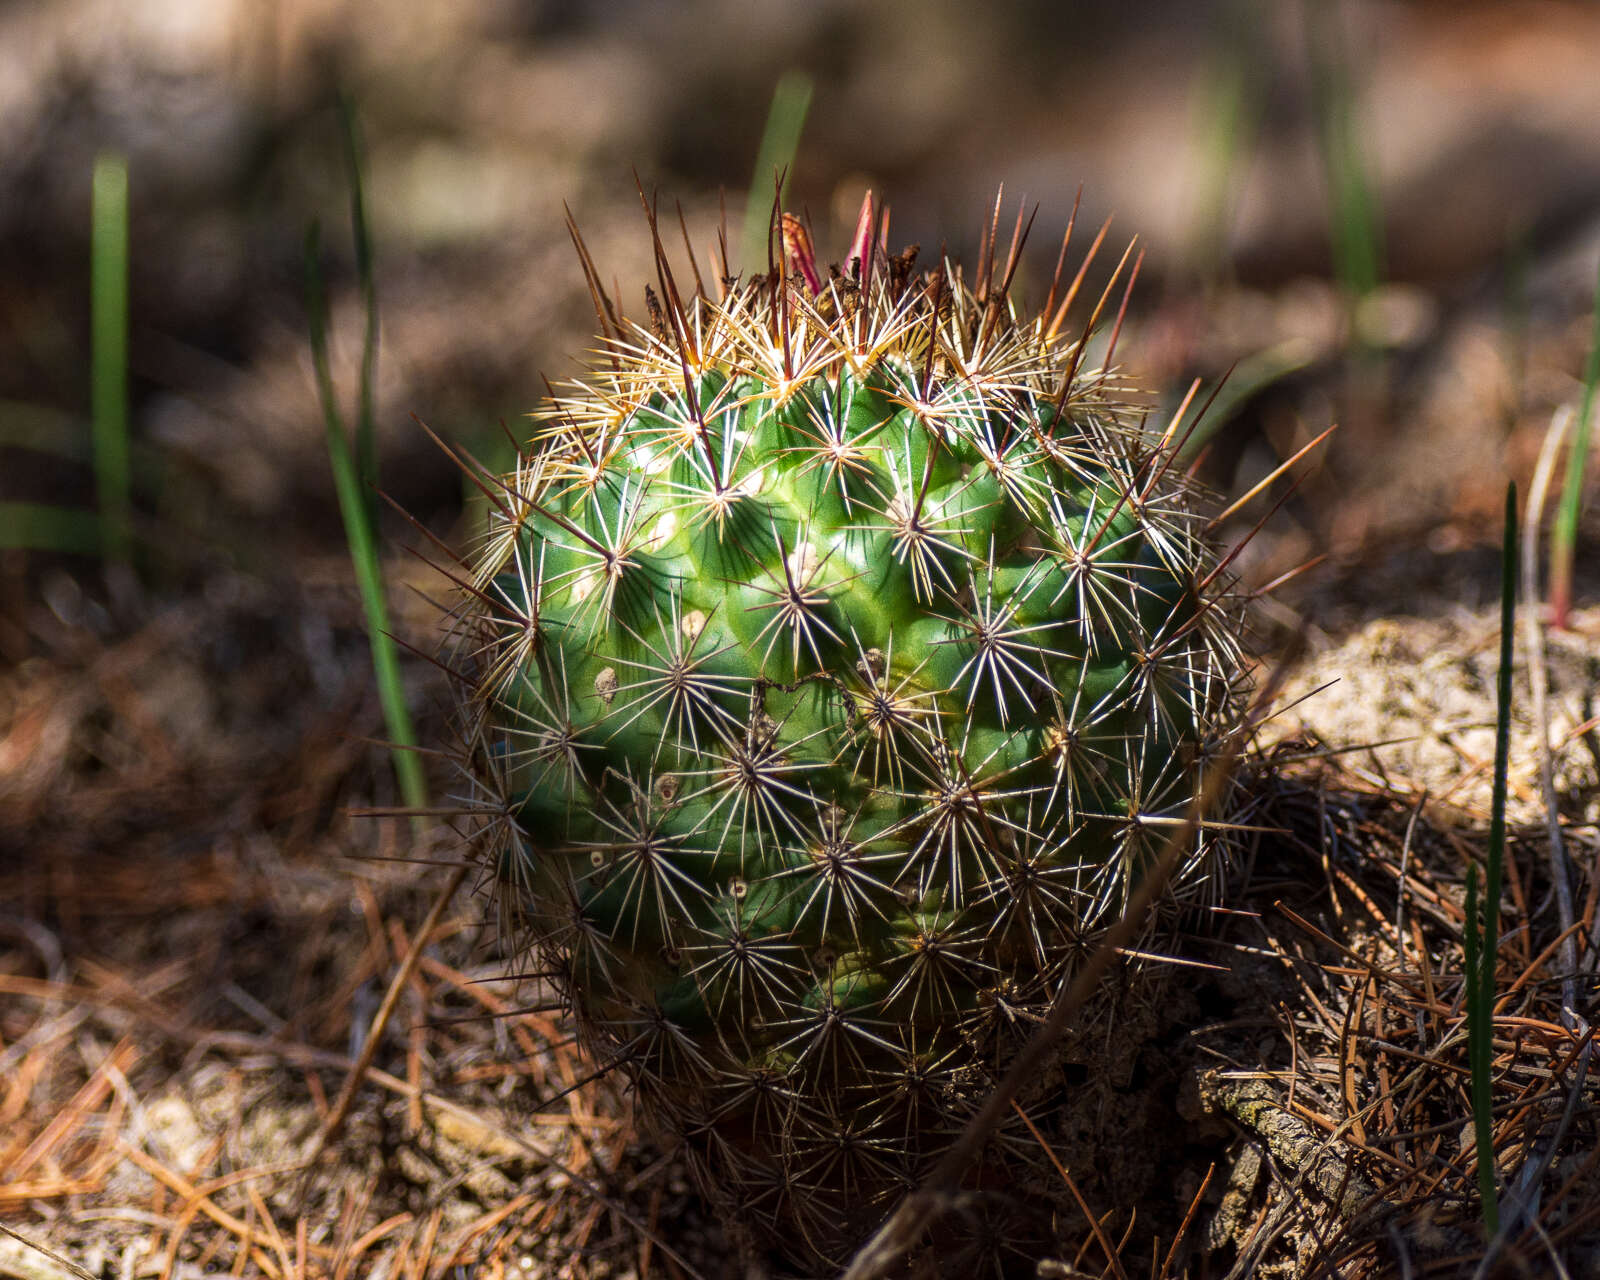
column 1388, row 212
column 1375, row 213
column 1378, row 214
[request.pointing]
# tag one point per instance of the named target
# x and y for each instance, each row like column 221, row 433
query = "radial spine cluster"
column 844, row 652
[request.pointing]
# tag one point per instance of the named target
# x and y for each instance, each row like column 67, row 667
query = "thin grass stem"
column 1353, row 208
column 39, row 526
column 108, row 270
column 1482, row 927
column 363, row 543
column 780, row 139
column 1564, row 536
column 1227, row 115
column 366, row 446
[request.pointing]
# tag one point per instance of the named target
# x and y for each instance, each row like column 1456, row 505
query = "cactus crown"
column 845, row 650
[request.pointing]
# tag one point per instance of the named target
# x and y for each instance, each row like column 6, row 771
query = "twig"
column 71, row 1117
column 332, row 1126
column 177, row 1183
column 1290, row 1139
column 47, row 1252
column 1113, row 1259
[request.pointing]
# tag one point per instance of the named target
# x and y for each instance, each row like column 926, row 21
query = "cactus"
column 844, row 650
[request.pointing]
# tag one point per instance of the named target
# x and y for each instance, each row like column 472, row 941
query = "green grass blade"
column 1482, row 928
column 791, row 98
column 354, row 509
column 1251, row 376
column 366, row 447
column 1472, row 949
column 1354, row 221
column 108, row 289
column 1564, row 536
column 37, row 526
column 1226, row 118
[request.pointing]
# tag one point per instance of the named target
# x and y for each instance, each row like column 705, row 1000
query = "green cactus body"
column 840, row 675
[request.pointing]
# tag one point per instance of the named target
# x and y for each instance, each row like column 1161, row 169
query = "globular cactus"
column 845, row 651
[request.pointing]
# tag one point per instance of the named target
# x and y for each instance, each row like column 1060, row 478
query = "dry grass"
column 1355, row 1079
column 193, row 958
column 197, row 940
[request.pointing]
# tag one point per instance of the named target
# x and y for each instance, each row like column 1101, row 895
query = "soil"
column 204, row 898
